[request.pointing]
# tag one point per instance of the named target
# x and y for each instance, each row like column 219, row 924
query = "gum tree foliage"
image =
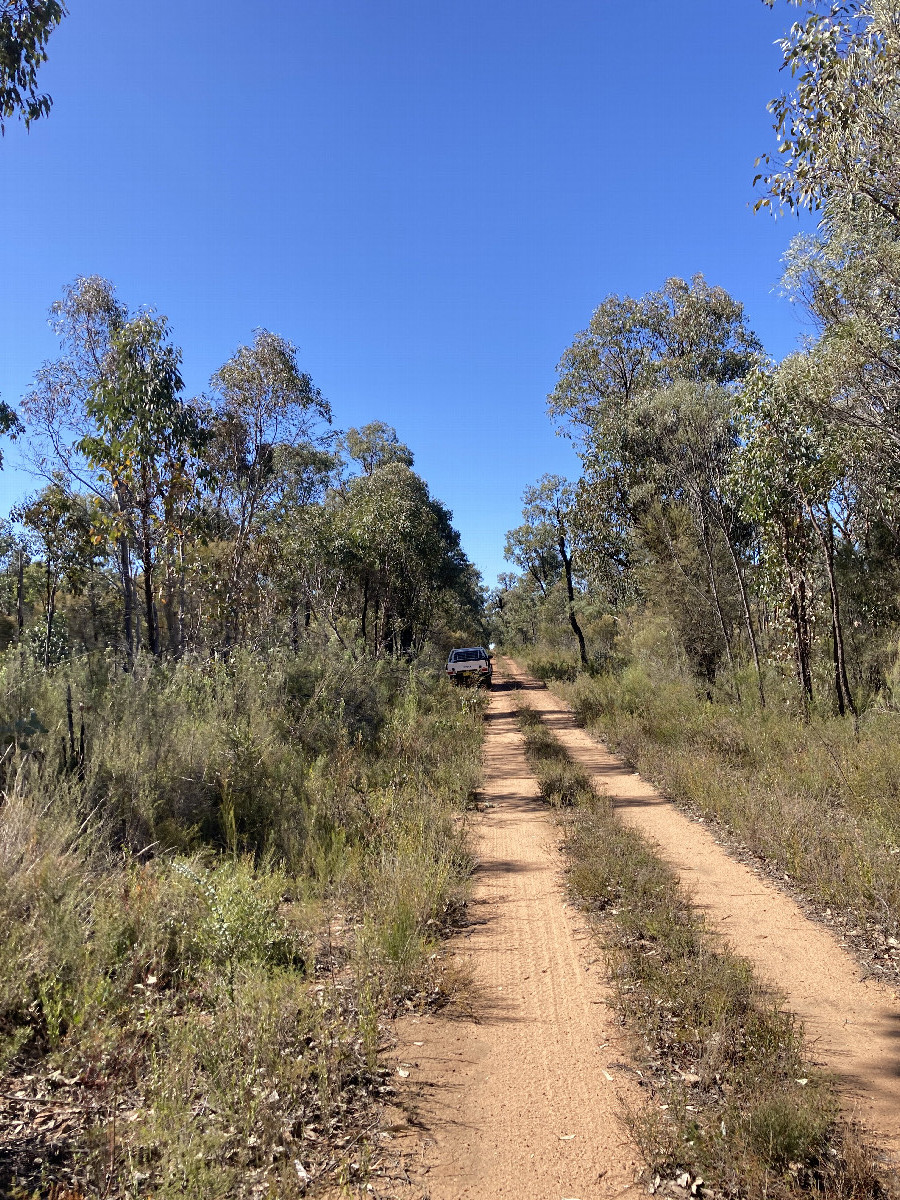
column 235, row 516
column 145, row 438
column 108, row 418
column 544, row 545
column 838, row 127
column 399, row 555
column 25, row 29
column 647, row 393
column 838, row 154
column 265, row 410
column 375, row 445
column 60, row 532
column 513, row 608
column 787, row 474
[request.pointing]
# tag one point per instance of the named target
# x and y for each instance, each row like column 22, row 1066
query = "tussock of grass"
column 818, row 802
column 206, row 925
column 720, row 1057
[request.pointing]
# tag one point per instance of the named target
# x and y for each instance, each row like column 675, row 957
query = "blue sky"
column 429, row 199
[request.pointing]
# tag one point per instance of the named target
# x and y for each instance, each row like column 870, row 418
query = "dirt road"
column 853, row 1026
column 521, row 1099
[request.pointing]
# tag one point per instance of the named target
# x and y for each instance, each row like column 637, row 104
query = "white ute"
column 470, row 664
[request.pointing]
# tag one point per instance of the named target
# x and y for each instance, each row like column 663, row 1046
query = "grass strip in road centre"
column 733, row 1108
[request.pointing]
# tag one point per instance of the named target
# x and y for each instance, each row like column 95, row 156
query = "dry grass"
column 719, row 1056
column 208, row 924
column 817, row 802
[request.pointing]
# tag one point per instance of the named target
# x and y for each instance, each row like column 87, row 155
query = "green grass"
column 208, row 923
column 719, row 1056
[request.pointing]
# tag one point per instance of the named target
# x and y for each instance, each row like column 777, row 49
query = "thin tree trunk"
column 51, row 610
column 295, row 623
column 748, row 616
column 182, row 589
column 801, row 630
column 570, row 592
column 131, row 634
column 128, row 595
column 149, row 601
column 365, row 611
column 842, row 685
column 704, row 537
column 20, row 593
column 92, row 601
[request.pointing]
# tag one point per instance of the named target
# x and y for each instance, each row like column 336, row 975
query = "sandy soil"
column 519, row 1097
column 853, row 1026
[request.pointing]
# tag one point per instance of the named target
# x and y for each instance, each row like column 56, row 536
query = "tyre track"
column 852, row 1025
column 523, row 1098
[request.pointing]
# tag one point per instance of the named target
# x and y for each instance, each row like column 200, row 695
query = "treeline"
column 752, row 505
column 169, row 524
column 230, row 776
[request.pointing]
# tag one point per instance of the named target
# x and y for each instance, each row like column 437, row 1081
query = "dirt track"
column 522, row 1099
column 853, row 1026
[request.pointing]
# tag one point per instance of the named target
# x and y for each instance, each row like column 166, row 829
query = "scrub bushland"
column 733, row 1107
column 815, row 799
column 210, row 897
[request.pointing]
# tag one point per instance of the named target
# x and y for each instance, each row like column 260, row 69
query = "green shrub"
column 211, row 913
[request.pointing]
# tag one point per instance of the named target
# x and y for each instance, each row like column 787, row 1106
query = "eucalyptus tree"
column 544, row 546
column 265, row 407
column 788, row 474
column 514, row 609
column 647, row 392
column 62, row 534
column 25, row 29
column 144, row 437
column 685, row 331
column 398, row 556
column 108, row 418
column 375, row 445
column 838, row 128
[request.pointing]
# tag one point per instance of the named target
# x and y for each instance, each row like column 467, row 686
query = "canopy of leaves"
column 25, row 28
column 839, row 127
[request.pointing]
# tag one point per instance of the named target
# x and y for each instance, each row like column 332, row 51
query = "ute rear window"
column 467, row 655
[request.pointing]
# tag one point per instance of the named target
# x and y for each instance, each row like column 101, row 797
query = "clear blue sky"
column 428, row 198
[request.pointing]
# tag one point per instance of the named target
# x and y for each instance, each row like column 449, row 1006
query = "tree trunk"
column 92, row 601
column 295, row 623
column 149, row 600
column 20, row 594
column 801, row 630
column 128, row 595
column 51, row 610
column 842, row 685
column 748, row 616
column 365, row 612
column 704, row 537
column 570, row 592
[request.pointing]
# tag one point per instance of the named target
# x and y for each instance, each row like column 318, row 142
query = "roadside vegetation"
column 208, row 917
column 817, row 801
column 733, row 1107
column 232, row 775
column 718, row 592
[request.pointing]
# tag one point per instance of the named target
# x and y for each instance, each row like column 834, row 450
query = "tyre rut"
column 522, row 1096
column 852, row 1025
